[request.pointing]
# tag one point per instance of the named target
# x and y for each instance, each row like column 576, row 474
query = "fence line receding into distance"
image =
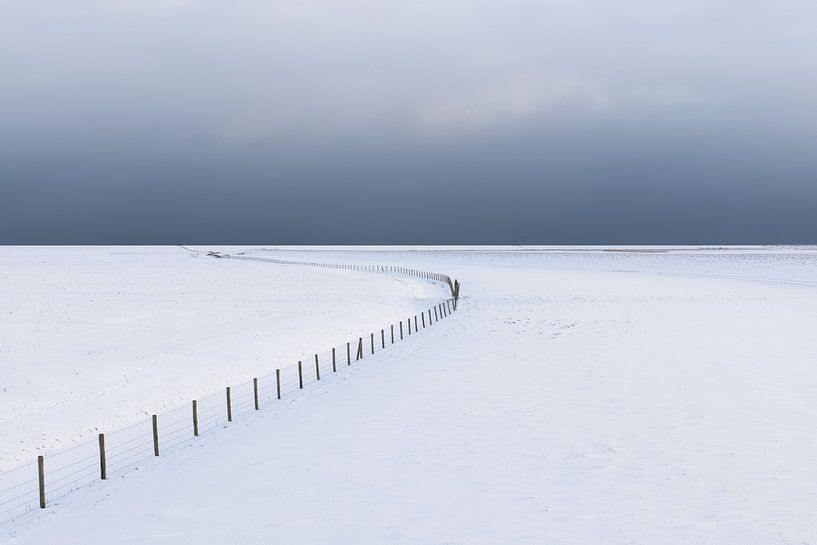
column 54, row 476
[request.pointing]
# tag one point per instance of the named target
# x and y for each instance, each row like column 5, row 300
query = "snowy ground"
column 93, row 339
column 574, row 398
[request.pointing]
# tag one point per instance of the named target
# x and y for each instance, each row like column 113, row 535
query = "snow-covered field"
column 575, row 397
column 93, row 339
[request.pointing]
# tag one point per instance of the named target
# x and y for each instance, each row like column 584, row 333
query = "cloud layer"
column 521, row 121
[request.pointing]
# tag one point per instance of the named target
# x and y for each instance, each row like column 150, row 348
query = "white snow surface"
column 575, row 397
column 95, row 338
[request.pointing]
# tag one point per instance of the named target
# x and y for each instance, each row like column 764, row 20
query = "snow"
column 92, row 339
column 575, row 397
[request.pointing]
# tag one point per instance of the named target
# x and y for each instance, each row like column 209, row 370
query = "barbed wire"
column 23, row 495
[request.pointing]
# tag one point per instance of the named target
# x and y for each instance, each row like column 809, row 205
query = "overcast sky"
column 444, row 121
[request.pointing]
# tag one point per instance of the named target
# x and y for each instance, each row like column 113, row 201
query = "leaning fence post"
column 334, row 369
column 436, row 318
column 255, row 391
column 429, row 316
column 103, row 474
column 423, row 316
column 195, row 419
column 359, row 348
column 278, row 382
column 300, row 376
column 317, row 368
column 415, row 324
column 41, row 479
column 155, row 420
column 229, row 406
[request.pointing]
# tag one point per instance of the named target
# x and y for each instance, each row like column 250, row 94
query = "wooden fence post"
column 348, row 354
column 409, row 325
column 429, row 316
column 41, row 479
column 372, row 343
column 401, row 330
column 334, row 369
column 383, row 338
column 103, row 474
column 278, row 382
column 300, row 376
column 255, row 391
column 415, row 324
column 436, row 318
column 229, row 406
column 392, row 333
column 195, row 419
column 155, row 420
column 359, row 348
column 423, row 316
column 317, row 368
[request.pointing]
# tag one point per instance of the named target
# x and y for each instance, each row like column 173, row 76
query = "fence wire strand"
column 123, row 451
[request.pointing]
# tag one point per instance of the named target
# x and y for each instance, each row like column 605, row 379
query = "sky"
column 423, row 122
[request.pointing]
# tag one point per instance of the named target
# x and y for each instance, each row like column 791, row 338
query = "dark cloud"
column 422, row 122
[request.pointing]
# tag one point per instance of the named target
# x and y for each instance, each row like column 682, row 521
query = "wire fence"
column 53, row 476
